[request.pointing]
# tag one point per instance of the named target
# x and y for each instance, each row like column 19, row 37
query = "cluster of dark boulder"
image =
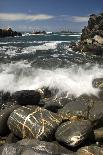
column 37, row 122
column 9, row 33
column 92, row 36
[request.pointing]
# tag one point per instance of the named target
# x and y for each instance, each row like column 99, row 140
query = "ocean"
column 32, row 61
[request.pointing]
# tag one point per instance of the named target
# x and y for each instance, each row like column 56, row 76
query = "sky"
column 48, row 15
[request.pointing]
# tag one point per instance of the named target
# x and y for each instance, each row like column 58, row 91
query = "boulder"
column 4, row 115
column 73, row 133
column 33, row 122
column 98, row 83
column 96, row 113
column 90, row 150
column 98, row 134
column 25, row 97
column 44, row 147
column 74, row 110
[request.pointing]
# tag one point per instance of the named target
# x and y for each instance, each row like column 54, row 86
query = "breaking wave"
column 74, row 80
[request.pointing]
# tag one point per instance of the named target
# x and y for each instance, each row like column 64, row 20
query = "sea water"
column 35, row 61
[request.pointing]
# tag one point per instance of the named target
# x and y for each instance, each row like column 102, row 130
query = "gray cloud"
column 21, row 16
column 80, row 19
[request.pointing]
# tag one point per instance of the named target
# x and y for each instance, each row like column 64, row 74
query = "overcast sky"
column 49, row 15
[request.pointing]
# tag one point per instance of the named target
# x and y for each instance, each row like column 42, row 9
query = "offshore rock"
column 26, row 97
column 74, row 110
column 44, row 147
column 4, row 115
column 33, row 122
column 90, row 150
column 9, row 33
column 73, row 133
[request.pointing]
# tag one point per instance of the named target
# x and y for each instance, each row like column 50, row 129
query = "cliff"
column 92, row 36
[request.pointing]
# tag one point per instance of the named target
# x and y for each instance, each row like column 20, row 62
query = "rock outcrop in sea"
column 92, row 36
column 9, row 33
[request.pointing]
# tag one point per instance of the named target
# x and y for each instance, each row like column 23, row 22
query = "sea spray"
column 76, row 80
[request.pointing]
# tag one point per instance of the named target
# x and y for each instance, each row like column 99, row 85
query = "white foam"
column 74, row 80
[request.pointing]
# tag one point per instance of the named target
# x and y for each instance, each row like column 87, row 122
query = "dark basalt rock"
column 75, row 110
column 55, row 103
column 92, row 36
column 11, row 138
column 11, row 149
column 9, row 33
column 33, row 122
column 90, row 150
column 26, row 97
column 44, row 147
column 98, row 133
column 4, row 115
column 73, row 133
column 98, row 83
column 96, row 113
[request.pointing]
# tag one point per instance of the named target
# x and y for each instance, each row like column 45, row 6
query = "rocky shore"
column 39, row 123
column 92, row 36
column 9, row 33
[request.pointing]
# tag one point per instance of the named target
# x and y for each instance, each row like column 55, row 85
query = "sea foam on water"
column 74, row 80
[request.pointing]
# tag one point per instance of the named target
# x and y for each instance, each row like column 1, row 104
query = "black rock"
column 34, row 122
column 44, row 147
column 73, row 133
column 26, row 97
column 74, row 110
column 98, row 83
column 11, row 138
column 98, row 133
column 96, row 113
column 11, row 149
column 4, row 115
column 90, row 150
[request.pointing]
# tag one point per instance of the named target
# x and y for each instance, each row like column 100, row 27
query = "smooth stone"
column 90, row 150
column 11, row 149
column 73, row 133
column 98, row 133
column 74, row 110
column 98, row 83
column 4, row 115
column 44, row 147
column 11, row 138
column 96, row 113
column 27, row 97
column 33, row 122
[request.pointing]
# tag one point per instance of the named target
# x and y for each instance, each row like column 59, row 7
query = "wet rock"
column 33, row 122
column 4, row 115
column 26, row 97
column 11, row 149
column 90, row 150
column 55, row 103
column 98, row 83
column 98, row 133
column 12, row 138
column 73, row 133
column 44, row 147
column 96, row 113
column 74, row 110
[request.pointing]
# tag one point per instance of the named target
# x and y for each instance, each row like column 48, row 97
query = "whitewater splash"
column 74, row 80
